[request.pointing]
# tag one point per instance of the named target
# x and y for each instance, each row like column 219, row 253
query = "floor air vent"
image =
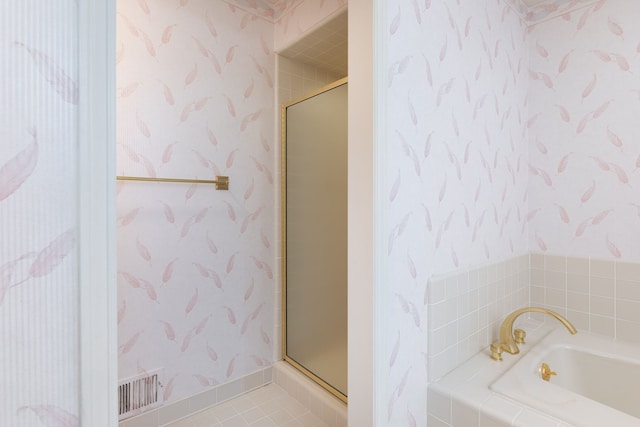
column 139, row 394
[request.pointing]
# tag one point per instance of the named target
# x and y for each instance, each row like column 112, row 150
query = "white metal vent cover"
column 140, row 393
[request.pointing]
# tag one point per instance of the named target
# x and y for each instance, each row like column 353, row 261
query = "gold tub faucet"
column 507, row 341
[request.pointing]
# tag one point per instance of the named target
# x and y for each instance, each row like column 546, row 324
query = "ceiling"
column 325, row 48
column 273, row 9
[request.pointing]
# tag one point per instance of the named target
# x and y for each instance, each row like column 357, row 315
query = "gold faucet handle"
column 496, row 351
column 519, row 335
column 546, row 372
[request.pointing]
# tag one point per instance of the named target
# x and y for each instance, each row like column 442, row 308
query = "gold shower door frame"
column 330, row 388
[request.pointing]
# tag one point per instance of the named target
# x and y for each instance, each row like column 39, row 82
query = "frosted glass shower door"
column 315, row 236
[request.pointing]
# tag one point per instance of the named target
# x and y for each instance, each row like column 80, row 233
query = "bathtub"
column 597, row 381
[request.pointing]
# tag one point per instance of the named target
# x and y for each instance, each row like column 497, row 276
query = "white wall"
column 362, row 377
column 414, row 256
column 196, row 266
column 38, row 171
column 492, row 156
column 456, row 169
column 584, row 132
column 198, row 272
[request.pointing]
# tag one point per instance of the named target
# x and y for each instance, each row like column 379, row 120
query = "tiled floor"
column 268, row 406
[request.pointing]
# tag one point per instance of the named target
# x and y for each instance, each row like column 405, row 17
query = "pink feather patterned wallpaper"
column 457, row 165
column 196, row 266
column 511, row 130
column 584, row 107
column 38, row 267
column 503, row 140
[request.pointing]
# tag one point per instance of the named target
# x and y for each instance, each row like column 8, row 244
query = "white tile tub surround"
column 466, row 309
column 596, row 295
column 320, row 402
column 463, row 399
column 189, row 406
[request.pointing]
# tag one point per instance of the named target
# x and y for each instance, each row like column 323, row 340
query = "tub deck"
column 511, row 393
column 596, row 382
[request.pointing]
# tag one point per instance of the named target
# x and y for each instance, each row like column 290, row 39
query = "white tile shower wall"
column 596, row 295
column 200, row 401
column 296, row 79
column 466, row 309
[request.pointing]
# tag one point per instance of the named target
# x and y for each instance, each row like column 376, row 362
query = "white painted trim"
column 380, row 215
column 96, row 207
column 361, row 179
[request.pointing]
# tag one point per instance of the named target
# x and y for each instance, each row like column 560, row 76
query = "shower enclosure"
column 314, row 227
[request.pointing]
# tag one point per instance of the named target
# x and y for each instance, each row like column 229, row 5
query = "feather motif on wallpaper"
column 51, row 256
column 54, row 74
column 18, row 169
column 51, row 416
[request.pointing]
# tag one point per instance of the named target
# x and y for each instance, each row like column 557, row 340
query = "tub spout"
column 508, row 343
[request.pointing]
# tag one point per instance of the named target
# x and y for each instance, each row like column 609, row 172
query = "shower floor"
column 268, row 406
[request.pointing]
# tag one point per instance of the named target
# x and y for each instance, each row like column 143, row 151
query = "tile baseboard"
column 319, row 401
column 198, row 402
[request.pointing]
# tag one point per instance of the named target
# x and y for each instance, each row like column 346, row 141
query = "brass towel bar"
column 221, row 182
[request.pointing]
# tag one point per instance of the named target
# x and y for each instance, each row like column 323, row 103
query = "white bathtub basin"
column 597, row 381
